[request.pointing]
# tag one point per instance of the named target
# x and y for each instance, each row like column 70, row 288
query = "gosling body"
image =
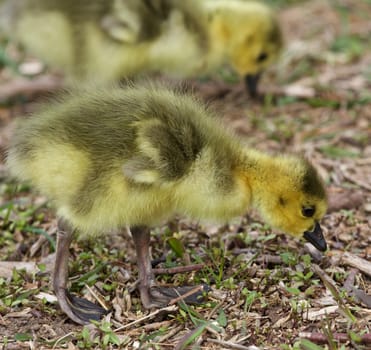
column 136, row 155
column 153, row 146
column 110, row 40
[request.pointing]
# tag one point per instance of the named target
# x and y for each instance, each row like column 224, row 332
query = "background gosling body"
column 109, row 40
column 137, row 155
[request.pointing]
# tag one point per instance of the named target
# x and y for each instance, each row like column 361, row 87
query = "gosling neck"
column 217, row 39
column 261, row 172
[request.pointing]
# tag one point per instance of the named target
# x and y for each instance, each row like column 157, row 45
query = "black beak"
column 316, row 238
column 251, row 82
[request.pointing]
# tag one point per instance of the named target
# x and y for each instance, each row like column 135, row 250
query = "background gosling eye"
column 262, row 57
column 308, row 211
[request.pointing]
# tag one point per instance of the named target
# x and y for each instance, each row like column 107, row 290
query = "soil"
column 268, row 291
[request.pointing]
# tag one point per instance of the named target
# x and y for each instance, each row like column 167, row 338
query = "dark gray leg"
column 79, row 310
column 141, row 237
column 150, row 294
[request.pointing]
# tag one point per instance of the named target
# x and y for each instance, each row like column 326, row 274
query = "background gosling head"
column 250, row 35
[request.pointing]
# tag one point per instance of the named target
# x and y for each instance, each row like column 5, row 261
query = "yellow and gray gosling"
column 107, row 40
column 134, row 156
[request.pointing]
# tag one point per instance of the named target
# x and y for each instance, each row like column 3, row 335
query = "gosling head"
column 295, row 200
column 252, row 38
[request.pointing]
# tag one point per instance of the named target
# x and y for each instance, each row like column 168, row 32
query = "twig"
column 46, row 83
column 169, row 333
column 230, row 345
column 357, row 262
column 186, row 295
column 151, row 315
column 363, row 161
column 354, row 180
column 96, row 297
column 320, row 338
column 270, row 259
column 358, row 294
column 264, row 259
column 313, row 252
column 62, row 338
column 178, row 269
column 331, row 286
column 45, row 235
column 156, row 325
column 193, row 335
column 349, row 282
column 216, row 308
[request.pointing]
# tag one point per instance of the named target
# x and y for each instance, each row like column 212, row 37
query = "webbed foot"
column 77, row 309
column 84, row 309
column 157, row 296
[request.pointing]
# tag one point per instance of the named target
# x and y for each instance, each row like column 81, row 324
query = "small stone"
column 31, row 68
column 367, row 207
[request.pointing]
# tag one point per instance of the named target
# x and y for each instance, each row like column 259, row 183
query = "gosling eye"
column 262, row 57
column 308, row 211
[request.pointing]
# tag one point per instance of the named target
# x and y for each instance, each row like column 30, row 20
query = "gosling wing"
column 165, row 151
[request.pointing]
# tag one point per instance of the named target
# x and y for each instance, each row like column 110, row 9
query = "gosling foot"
column 152, row 295
column 77, row 309
column 157, row 296
column 84, row 309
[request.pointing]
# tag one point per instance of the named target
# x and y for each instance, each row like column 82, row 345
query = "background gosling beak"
column 316, row 237
column 251, row 82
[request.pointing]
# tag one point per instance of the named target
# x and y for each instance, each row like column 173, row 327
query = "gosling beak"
column 251, row 82
column 316, row 238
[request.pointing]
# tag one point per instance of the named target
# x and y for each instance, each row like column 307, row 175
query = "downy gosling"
column 151, row 153
column 107, row 40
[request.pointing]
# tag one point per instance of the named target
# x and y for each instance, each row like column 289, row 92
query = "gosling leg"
column 152, row 295
column 77, row 309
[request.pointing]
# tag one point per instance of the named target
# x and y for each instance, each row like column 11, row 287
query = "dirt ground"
column 268, row 291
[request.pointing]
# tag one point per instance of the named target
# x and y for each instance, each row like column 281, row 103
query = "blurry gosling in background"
column 107, row 40
column 151, row 153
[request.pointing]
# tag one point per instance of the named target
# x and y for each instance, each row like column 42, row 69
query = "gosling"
column 151, row 153
column 107, row 40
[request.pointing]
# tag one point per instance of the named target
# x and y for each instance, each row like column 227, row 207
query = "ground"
column 268, row 291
